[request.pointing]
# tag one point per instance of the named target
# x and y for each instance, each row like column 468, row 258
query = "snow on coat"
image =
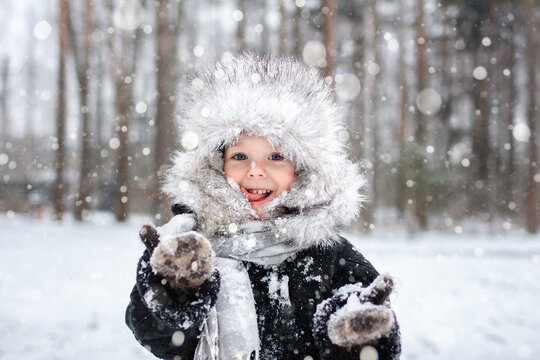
column 288, row 297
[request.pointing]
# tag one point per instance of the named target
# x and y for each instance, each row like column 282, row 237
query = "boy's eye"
column 240, row 157
column 276, row 157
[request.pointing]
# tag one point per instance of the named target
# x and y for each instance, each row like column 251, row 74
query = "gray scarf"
column 230, row 330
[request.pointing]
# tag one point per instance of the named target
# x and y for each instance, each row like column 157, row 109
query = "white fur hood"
column 289, row 104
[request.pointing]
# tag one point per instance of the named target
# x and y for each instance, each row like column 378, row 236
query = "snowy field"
column 64, row 288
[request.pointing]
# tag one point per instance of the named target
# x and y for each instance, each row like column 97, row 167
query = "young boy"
column 252, row 265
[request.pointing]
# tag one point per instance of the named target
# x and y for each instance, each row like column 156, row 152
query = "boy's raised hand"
column 363, row 317
column 185, row 260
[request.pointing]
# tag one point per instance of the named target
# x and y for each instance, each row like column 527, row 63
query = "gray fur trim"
column 287, row 103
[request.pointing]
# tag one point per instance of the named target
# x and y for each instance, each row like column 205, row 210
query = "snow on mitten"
column 185, row 260
column 358, row 322
column 364, row 317
column 179, row 224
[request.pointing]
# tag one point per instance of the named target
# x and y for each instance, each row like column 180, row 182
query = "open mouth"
column 256, row 196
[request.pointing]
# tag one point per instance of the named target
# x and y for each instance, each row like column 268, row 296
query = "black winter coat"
column 285, row 321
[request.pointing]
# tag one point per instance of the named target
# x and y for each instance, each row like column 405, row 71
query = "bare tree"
column 282, row 28
column 421, row 62
column 58, row 190
column 370, row 107
column 266, row 43
column 82, row 65
column 420, row 203
column 446, row 90
column 401, row 188
column 358, row 57
column 123, row 49
column 122, row 107
column 166, row 65
column 29, row 135
column 329, row 13
column 241, row 42
column 402, row 79
column 4, row 99
column 509, row 86
column 99, row 142
column 478, row 180
column 532, row 116
column 297, row 45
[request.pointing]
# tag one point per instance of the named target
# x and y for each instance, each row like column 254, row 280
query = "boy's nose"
column 256, row 171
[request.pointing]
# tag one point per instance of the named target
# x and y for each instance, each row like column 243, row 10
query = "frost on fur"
column 292, row 107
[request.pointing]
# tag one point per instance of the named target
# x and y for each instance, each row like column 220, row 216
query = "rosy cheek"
column 233, row 173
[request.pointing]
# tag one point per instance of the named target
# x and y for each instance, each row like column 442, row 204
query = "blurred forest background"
column 441, row 97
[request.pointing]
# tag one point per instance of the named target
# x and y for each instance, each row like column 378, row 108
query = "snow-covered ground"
column 64, row 288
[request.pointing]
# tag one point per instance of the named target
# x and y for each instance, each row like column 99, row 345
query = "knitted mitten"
column 363, row 317
column 184, row 260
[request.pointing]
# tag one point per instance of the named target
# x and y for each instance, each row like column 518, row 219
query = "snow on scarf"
column 230, row 330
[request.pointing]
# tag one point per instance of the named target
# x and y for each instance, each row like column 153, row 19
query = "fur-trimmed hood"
column 289, row 104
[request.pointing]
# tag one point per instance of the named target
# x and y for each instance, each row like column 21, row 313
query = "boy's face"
column 259, row 169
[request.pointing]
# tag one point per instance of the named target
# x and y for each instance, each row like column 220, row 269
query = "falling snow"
column 347, row 86
column 428, row 101
column 521, row 132
column 64, row 286
column 190, row 140
column 314, row 53
column 480, row 73
column 42, row 30
column 128, row 15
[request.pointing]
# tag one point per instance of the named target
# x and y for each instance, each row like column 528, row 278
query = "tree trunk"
column 83, row 68
column 401, row 188
column 166, row 65
column 329, row 13
column 4, row 100
column 357, row 125
column 282, row 28
column 370, row 108
column 481, row 147
column 123, row 47
column 420, row 203
column 421, row 71
column 532, row 116
column 58, row 190
column 402, row 83
column 191, row 30
column 297, row 48
column 509, row 173
column 122, row 107
column 446, row 88
column 29, row 136
column 266, row 40
column 480, row 142
column 241, row 28
column 99, row 143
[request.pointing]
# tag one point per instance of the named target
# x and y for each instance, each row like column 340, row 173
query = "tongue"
column 254, row 197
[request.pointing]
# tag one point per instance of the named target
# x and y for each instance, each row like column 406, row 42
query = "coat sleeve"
column 350, row 267
column 166, row 321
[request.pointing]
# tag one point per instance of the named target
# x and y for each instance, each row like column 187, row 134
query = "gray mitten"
column 364, row 317
column 185, row 260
